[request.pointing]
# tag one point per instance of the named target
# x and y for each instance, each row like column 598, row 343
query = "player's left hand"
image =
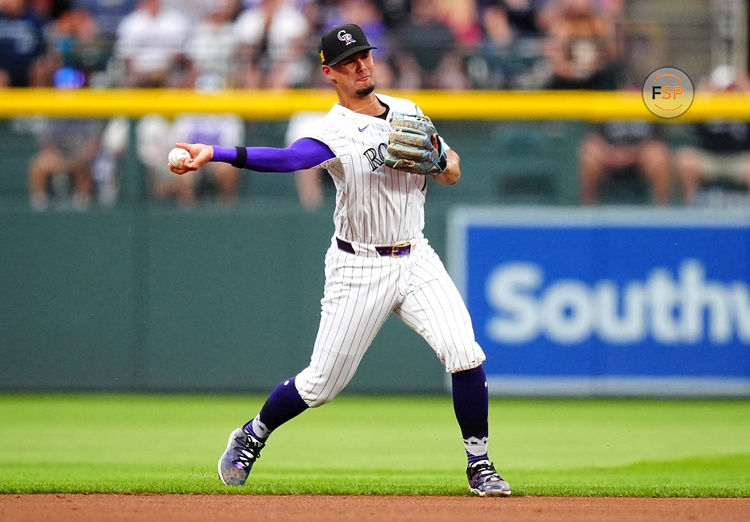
column 414, row 145
column 200, row 154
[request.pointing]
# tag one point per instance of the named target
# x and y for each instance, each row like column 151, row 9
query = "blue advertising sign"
column 607, row 301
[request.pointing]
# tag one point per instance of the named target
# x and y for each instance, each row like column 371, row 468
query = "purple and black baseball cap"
column 341, row 42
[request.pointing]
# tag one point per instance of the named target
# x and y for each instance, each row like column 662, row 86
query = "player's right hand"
column 200, row 154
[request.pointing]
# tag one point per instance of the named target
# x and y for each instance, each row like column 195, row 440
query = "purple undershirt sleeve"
column 304, row 153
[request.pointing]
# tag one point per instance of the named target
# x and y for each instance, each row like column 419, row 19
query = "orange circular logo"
column 668, row 92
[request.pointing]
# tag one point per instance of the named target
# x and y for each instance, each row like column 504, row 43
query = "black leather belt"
column 398, row 250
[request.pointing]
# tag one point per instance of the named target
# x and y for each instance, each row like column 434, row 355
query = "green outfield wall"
column 164, row 299
column 147, row 296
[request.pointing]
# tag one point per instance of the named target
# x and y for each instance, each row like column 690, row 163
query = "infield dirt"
column 167, row 508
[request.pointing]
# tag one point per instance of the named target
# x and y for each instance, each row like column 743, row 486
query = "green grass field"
column 374, row 445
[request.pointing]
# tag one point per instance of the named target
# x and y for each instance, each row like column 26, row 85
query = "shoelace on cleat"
column 249, row 451
column 484, row 471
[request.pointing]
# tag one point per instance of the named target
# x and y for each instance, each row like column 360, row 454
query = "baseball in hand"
column 177, row 156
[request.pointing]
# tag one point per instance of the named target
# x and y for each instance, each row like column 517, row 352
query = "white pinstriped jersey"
column 375, row 205
column 379, row 206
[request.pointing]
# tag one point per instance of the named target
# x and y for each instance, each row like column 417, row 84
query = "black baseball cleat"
column 485, row 481
column 242, row 451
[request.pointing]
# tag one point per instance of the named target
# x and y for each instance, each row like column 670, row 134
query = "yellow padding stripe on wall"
column 276, row 105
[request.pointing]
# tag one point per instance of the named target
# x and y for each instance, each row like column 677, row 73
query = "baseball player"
column 381, row 152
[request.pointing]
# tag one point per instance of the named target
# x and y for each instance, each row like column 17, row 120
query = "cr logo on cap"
column 345, row 37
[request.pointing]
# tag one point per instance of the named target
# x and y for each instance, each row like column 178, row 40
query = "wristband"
column 442, row 161
column 241, row 159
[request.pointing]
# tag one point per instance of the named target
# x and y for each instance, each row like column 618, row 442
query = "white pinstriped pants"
column 361, row 291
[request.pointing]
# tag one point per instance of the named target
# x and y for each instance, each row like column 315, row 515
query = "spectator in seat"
column 272, row 39
column 722, row 152
column 211, row 48
column 21, row 45
column 427, row 54
column 67, row 149
column 150, row 42
column 580, row 47
column 617, row 151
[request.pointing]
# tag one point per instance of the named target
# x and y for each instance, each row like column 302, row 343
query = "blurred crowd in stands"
column 210, row 44
column 273, row 44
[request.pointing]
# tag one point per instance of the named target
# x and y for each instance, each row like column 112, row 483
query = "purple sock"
column 283, row 404
column 471, row 405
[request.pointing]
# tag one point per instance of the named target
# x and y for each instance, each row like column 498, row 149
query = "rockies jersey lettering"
column 377, row 156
